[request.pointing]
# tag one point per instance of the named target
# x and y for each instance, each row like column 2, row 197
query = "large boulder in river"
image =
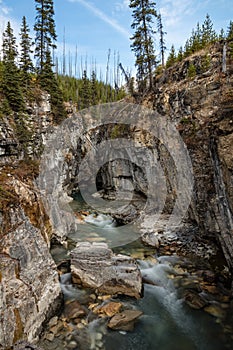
column 96, row 266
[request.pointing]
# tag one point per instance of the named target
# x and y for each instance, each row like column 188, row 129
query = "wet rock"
column 194, row 300
column 125, row 320
column 110, row 309
column 74, row 310
column 215, row 310
column 24, row 345
column 95, row 266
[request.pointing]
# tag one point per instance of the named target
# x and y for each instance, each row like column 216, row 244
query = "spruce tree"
column 44, row 41
column 10, row 72
column 45, row 31
column 144, row 15
column 94, row 89
column 161, row 38
column 230, row 31
column 49, row 83
column 26, row 65
column 171, row 57
column 208, row 33
column 85, row 91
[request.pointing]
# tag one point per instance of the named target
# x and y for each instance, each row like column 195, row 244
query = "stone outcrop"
column 202, row 109
column 31, row 129
column 29, row 291
column 95, row 266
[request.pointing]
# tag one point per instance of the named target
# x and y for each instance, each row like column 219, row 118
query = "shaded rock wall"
column 202, row 108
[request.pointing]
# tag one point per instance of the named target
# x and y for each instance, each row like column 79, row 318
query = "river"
column 167, row 323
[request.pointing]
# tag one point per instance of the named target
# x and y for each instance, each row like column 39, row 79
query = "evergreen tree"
column 230, row 31
column 94, row 89
column 161, row 38
column 48, row 82
column 45, row 32
column 10, row 72
column 26, row 65
column 85, row 91
column 222, row 35
column 197, row 39
column 208, row 33
column 171, row 57
column 180, row 54
column 143, row 14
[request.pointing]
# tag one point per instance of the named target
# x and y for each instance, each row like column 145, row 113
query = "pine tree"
column 161, row 38
column 49, row 83
column 44, row 41
column 94, row 89
column 85, row 92
column 208, row 33
column 10, row 80
column 171, row 57
column 26, row 65
column 222, row 35
column 230, row 37
column 45, row 31
column 144, row 14
column 230, row 31
column 180, row 54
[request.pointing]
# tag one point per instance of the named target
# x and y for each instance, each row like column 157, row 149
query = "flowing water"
column 167, row 322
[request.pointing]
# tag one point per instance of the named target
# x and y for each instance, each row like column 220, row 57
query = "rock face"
column 95, row 266
column 29, row 287
column 37, row 120
column 202, row 109
column 30, row 290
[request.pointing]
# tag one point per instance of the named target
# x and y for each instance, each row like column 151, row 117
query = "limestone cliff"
column 202, row 108
column 29, row 287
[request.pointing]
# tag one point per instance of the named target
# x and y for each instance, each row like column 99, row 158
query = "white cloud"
column 101, row 15
column 173, row 11
column 122, row 6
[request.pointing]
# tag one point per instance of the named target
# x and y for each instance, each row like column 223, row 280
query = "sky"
column 93, row 27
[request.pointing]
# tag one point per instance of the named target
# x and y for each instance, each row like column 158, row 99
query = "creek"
column 167, row 323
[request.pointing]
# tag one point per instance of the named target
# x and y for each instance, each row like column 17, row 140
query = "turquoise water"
column 167, row 322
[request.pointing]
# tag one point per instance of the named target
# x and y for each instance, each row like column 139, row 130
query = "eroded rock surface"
column 95, row 266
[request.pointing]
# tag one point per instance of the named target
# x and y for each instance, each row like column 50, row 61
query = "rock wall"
column 202, row 108
column 29, row 287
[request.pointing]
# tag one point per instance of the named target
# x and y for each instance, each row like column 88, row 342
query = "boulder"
column 96, row 266
column 125, row 320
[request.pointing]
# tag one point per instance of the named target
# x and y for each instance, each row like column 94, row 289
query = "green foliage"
column 230, row 37
column 45, row 31
column 191, row 71
column 171, row 57
column 205, row 63
column 26, row 66
column 201, row 37
column 143, row 13
column 49, row 83
column 119, row 130
column 23, row 132
column 180, row 54
column 161, row 32
column 208, row 33
column 74, row 89
column 10, row 73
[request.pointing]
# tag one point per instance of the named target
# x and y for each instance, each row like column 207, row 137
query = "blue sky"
column 95, row 26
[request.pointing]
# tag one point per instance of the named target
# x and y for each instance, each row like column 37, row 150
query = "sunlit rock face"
column 95, row 266
column 29, row 289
